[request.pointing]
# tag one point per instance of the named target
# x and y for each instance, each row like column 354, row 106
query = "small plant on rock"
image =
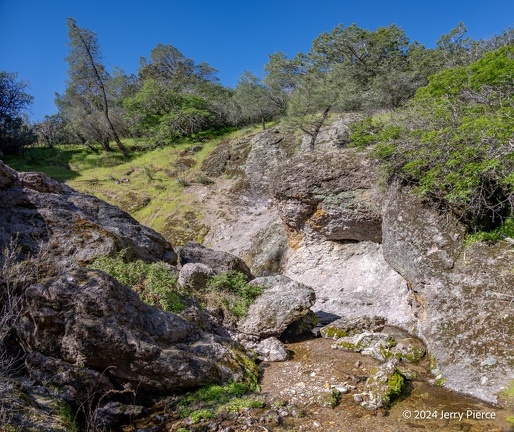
column 232, row 292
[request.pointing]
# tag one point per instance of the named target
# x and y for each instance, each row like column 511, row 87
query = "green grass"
column 232, row 293
column 154, row 282
column 506, row 229
column 207, row 402
column 152, row 184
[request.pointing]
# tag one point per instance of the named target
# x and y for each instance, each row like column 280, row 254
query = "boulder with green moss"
column 383, row 385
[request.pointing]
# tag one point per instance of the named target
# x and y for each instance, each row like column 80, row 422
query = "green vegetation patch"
column 232, row 292
column 452, row 141
column 154, row 282
column 212, row 400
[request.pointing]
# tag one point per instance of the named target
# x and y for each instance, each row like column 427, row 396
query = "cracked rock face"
column 76, row 228
column 89, row 320
column 333, row 193
column 283, row 302
column 460, row 294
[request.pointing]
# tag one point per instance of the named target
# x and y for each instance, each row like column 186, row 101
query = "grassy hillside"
column 153, row 185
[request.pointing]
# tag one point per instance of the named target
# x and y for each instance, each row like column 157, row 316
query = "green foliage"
column 202, row 414
column 14, row 100
column 454, row 140
column 232, row 292
column 372, row 131
column 239, row 404
column 396, row 382
column 206, row 401
column 154, row 282
column 66, row 416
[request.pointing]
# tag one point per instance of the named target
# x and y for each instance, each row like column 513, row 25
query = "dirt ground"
column 315, row 367
column 291, row 391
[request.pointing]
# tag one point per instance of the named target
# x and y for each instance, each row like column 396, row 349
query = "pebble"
column 357, row 398
column 316, row 423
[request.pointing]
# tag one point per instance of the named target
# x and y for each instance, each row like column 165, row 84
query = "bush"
column 154, row 282
column 232, row 293
column 454, row 141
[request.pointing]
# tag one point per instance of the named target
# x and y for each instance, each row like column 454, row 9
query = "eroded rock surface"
column 89, row 320
column 462, row 295
column 282, row 302
column 334, row 193
column 76, row 228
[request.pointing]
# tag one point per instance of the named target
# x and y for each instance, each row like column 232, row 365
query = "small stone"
column 341, row 388
column 357, row 398
column 484, row 380
column 316, row 423
column 358, row 364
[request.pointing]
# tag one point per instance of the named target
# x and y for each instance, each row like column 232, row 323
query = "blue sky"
column 230, row 35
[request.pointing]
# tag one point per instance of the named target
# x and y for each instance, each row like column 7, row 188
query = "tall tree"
column 87, row 75
column 254, row 99
column 14, row 99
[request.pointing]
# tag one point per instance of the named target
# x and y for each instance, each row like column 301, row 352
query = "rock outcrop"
column 379, row 251
column 79, row 331
column 76, row 228
column 334, row 193
column 461, row 295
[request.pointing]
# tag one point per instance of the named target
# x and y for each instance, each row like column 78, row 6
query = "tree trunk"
column 317, row 127
column 104, row 96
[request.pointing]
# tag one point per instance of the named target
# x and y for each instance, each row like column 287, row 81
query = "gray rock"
column 350, row 326
column 71, row 227
column 333, row 193
column 367, row 343
column 114, row 413
column 30, row 408
column 271, row 349
column 195, row 276
column 87, row 319
column 382, row 386
column 460, row 295
column 218, row 261
column 282, row 302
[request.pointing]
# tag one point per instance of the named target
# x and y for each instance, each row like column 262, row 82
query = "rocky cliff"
column 324, row 218
column 318, row 229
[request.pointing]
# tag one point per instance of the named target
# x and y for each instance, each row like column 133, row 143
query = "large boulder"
column 88, row 320
column 283, row 302
column 218, row 261
column 461, row 294
column 331, row 193
column 75, row 228
column 79, row 331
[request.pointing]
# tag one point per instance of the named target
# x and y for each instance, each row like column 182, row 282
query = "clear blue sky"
column 230, row 35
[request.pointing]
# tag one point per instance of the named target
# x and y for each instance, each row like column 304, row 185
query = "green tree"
column 312, row 102
column 88, row 77
column 282, row 78
column 52, row 130
column 254, row 99
column 14, row 99
column 455, row 141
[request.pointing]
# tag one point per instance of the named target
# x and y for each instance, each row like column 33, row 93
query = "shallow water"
column 316, row 366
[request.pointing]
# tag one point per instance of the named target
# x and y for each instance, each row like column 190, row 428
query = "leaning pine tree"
column 87, row 76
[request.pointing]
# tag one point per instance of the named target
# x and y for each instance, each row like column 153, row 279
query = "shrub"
column 154, row 282
column 454, row 140
column 232, row 293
